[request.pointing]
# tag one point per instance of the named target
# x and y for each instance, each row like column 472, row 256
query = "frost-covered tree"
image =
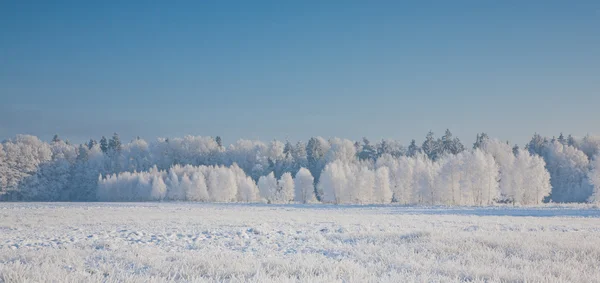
column 136, row 156
column 22, row 157
column 537, row 144
column 333, row 183
column 175, row 191
column 402, row 177
column 480, row 140
column 267, row 185
column 425, row 171
column 222, row 185
column 530, row 179
column 450, row 145
column 158, row 189
column 479, row 183
column 104, row 144
column 219, row 141
column 449, row 180
column 505, row 158
column 589, row 145
column 285, row 188
column 568, row 168
column 594, row 178
column 316, row 148
column 304, row 186
column 196, row 190
column 430, row 146
column 382, row 191
column 391, row 147
column 3, row 169
column 247, row 188
column 368, row 151
column 361, row 185
column 413, row 149
column 340, row 149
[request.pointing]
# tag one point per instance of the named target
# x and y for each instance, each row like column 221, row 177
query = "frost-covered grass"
column 150, row 242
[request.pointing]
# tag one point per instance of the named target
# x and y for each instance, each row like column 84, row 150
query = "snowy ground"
column 148, row 242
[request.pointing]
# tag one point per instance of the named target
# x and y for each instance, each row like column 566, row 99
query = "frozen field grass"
column 151, row 242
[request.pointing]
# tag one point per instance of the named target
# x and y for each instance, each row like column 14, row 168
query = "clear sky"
column 295, row 69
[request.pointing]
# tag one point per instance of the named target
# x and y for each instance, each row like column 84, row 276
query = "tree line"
column 195, row 168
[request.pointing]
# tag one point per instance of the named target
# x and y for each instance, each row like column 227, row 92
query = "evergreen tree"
column 561, row 139
column 91, row 143
column 429, row 146
column 571, row 141
column 480, row 140
column 368, row 151
column 515, row 149
column 104, row 145
column 56, row 138
column 115, row 143
column 458, row 146
column 219, row 141
column 315, row 154
column 536, row 145
column 288, row 149
column 413, row 149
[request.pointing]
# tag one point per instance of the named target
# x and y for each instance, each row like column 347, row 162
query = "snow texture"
column 199, row 242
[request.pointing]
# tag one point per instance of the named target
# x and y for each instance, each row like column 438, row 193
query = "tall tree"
column 413, row 149
column 368, row 151
column 219, row 141
column 561, row 139
column 430, row 146
column 56, row 138
column 480, row 140
column 104, row 145
column 115, row 143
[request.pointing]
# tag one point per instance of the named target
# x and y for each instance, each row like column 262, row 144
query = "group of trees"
column 438, row 171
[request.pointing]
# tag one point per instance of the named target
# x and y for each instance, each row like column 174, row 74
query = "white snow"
column 197, row 242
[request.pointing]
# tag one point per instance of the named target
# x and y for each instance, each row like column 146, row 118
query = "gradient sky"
column 295, row 69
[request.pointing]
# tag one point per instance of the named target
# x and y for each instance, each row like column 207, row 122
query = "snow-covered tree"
column 568, row 168
column 285, row 186
column 382, row 191
column 430, row 146
column 304, row 186
column 479, row 182
column 449, row 180
column 196, row 190
column 158, row 189
column 22, row 157
column 530, row 181
column 267, row 185
column 333, row 183
column 594, row 178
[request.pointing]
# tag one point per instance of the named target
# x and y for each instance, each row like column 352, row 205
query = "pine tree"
column 288, row 149
column 219, row 141
column 115, row 143
column 571, row 141
column 480, row 140
column 515, row 149
column 368, row 151
column 104, row 145
column 536, row 145
column 413, row 149
column 429, row 146
column 56, row 138
column 91, row 143
column 561, row 139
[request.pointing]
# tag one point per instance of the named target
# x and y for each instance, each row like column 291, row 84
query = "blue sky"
column 295, row 69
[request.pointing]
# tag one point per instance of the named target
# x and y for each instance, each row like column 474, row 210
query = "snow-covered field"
column 151, row 242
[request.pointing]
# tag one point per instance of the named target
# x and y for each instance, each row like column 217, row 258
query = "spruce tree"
column 104, row 145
